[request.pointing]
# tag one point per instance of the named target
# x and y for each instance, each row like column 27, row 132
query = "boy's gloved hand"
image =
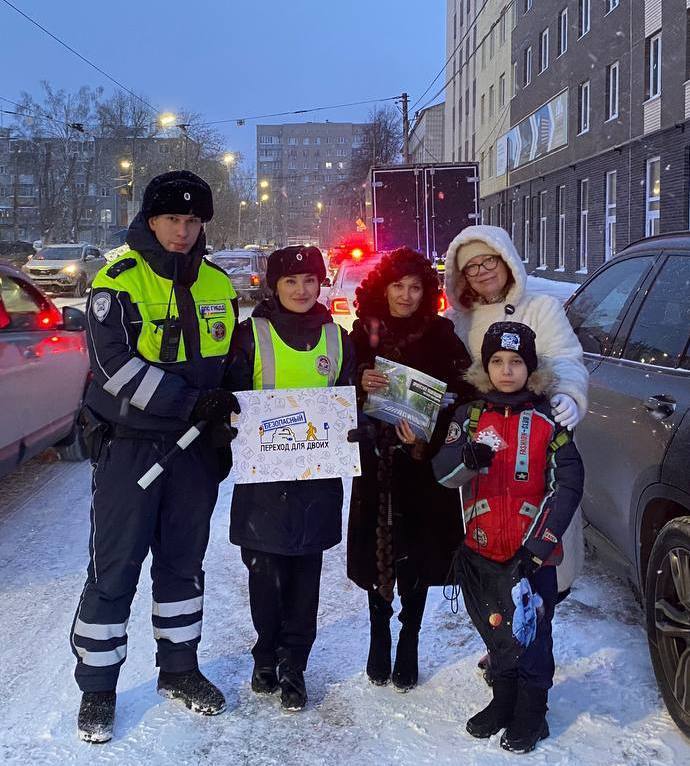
column 565, row 411
column 477, row 456
column 215, row 406
column 525, row 563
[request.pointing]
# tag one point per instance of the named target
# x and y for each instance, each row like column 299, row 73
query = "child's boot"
column 498, row 713
column 528, row 724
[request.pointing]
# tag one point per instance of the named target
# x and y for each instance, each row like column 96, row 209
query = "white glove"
column 565, row 411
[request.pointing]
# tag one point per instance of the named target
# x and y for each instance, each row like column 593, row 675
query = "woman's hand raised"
column 372, row 380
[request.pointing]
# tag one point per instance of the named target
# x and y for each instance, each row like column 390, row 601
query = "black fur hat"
column 178, row 192
column 510, row 336
column 297, row 259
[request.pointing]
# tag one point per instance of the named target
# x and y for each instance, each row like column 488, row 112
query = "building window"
column 612, row 91
column 502, row 29
column 527, row 69
column 653, row 197
column 525, row 227
column 292, row 141
column 652, row 51
column 610, row 238
column 492, row 42
column 491, row 161
column 583, row 17
column 484, row 55
column 560, row 237
column 562, row 31
column 583, row 232
column 491, row 101
column 542, row 229
column 512, row 219
column 317, row 140
column 502, row 90
column 544, row 50
column 528, row 5
column 611, row 5
column 341, row 139
column 514, row 86
column 329, row 165
column 482, row 101
column 583, row 108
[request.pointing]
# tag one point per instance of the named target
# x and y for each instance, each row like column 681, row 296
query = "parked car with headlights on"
column 65, row 268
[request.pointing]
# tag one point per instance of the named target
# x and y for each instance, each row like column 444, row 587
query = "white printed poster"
column 295, row 433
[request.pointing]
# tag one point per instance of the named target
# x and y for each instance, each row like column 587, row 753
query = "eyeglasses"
column 489, row 263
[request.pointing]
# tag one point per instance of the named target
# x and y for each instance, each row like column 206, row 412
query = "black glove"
column 215, row 406
column 366, row 432
column 525, row 563
column 222, row 434
column 476, row 456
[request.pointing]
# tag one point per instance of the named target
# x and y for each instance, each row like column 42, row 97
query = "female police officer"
column 284, row 527
column 160, row 319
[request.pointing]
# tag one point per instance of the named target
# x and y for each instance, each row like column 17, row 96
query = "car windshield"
column 233, row 262
column 58, row 254
column 354, row 273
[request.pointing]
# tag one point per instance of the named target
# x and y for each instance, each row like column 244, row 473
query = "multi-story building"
column 426, row 136
column 299, row 167
column 597, row 151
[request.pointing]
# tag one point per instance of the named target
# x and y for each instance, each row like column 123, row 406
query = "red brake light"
column 442, row 302
column 254, row 280
column 340, row 306
column 357, row 253
column 48, row 319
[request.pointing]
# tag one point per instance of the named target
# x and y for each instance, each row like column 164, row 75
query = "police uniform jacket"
column 291, row 518
column 126, row 311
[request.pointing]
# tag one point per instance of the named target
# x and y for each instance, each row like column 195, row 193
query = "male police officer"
column 160, row 319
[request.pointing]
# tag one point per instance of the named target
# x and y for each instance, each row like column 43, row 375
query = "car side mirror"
column 73, row 319
column 326, row 282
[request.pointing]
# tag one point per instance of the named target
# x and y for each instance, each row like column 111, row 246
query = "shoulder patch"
column 454, row 433
column 100, row 305
column 124, row 265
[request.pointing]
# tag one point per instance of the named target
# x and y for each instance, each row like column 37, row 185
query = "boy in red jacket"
column 522, row 481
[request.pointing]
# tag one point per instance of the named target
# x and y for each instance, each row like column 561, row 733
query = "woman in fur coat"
column 403, row 527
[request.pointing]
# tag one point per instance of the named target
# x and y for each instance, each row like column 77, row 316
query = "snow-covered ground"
column 605, row 707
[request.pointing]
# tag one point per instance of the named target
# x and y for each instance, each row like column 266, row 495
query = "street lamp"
column 229, row 158
column 264, row 184
column 167, row 120
column 243, row 203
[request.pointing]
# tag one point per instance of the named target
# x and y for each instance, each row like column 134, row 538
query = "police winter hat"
column 510, row 336
column 297, row 259
column 178, row 192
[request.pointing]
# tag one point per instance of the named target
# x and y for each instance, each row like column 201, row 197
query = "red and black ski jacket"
column 534, row 484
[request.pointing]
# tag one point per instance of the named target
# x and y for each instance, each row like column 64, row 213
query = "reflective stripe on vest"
column 277, row 365
column 212, row 293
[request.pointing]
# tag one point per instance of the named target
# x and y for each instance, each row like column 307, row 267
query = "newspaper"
column 411, row 395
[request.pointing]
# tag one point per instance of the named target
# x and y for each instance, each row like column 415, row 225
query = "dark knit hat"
column 510, row 336
column 297, row 259
column 178, row 192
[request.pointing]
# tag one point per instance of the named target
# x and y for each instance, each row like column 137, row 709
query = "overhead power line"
column 78, row 55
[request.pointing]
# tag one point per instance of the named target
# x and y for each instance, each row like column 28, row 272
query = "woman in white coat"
column 486, row 282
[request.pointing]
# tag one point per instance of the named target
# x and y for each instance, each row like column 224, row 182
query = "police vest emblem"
column 218, row 331
column 323, row 365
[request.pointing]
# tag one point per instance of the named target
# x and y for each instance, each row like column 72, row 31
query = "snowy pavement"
column 605, row 707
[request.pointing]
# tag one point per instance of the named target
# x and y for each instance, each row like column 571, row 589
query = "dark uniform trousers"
column 171, row 518
column 284, row 601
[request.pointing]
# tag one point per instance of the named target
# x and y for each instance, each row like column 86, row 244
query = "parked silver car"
column 44, row 371
column 632, row 317
column 65, row 268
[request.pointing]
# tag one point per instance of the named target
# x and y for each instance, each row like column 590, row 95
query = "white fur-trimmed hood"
column 499, row 240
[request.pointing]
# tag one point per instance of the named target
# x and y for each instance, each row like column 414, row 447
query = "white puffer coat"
column 544, row 314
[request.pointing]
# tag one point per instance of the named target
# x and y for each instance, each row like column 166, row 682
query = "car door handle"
column 660, row 405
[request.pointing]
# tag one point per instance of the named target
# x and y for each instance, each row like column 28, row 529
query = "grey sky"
column 226, row 59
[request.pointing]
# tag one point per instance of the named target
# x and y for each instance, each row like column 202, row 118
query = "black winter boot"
column 406, row 669
column 193, row 689
column 293, row 691
column 528, row 725
column 498, row 713
column 264, row 679
column 379, row 659
column 96, row 717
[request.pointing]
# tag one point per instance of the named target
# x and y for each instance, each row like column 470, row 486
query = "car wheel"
column 667, row 600
column 80, row 287
column 73, row 446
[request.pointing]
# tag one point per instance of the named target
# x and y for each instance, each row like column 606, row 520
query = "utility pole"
column 406, row 129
